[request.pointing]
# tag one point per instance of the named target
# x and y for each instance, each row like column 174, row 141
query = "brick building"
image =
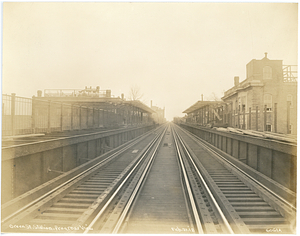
column 266, row 100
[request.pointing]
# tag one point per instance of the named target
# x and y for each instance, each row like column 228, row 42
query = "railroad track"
column 165, row 198
column 170, row 182
column 161, row 201
column 70, row 206
column 247, row 205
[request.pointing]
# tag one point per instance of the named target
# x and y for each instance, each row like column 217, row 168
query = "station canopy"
column 140, row 105
column 99, row 102
column 201, row 104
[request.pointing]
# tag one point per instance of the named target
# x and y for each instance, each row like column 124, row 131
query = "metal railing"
column 290, row 73
column 87, row 92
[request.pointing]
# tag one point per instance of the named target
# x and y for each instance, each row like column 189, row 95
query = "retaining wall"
column 27, row 166
column 276, row 160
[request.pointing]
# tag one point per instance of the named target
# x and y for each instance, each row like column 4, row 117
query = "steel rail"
column 220, row 212
column 70, row 180
column 90, row 226
column 186, row 180
column 137, row 187
column 239, row 169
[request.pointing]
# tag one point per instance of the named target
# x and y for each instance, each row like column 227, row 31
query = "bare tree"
column 135, row 93
column 213, row 97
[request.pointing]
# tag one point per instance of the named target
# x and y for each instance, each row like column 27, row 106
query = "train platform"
column 30, row 138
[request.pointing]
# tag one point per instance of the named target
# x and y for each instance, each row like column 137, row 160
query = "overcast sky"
column 173, row 52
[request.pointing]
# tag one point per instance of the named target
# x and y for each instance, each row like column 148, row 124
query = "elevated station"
column 67, row 110
column 80, row 157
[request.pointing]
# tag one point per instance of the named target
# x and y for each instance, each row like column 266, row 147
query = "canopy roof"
column 141, row 105
column 201, row 104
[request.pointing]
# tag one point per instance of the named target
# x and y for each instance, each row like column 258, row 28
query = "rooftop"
column 201, row 104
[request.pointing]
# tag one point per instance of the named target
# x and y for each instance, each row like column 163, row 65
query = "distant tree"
column 213, row 97
column 135, row 93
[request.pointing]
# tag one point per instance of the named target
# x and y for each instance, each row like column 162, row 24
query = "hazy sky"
column 173, row 52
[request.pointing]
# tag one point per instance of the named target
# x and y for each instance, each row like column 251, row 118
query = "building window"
column 268, row 101
column 267, row 72
column 243, row 103
column 290, row 129
column 290, row 99
column 269, row 128
column 243, row 108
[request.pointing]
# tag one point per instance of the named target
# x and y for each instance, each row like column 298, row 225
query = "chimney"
column 108, row 93
column 39, row 93
column 151, row 103
column 266, row 55
column 202, row 97
column 122, row 96
column 236, row 81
